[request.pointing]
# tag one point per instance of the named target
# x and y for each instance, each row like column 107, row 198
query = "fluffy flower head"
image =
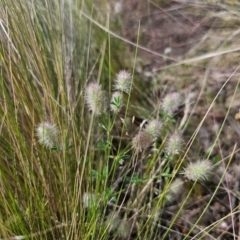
column 147, row 135
column 95, row 98
column 142, row 141
column 153, row 128
column 174, row 144
column 176, row 186
column 199, row 170
column 123, row 81
column 171, row 103
column 174, row 189
column 47, row 134
column 89, row 200
column 120, row 226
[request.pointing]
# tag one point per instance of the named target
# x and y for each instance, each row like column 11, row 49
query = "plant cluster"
column 78, row 159
column 131, row 168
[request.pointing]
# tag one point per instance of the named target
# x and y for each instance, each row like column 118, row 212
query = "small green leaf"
column 121, row 161
column 102, row 126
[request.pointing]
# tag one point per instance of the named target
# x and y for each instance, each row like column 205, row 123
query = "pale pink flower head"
column 142, row 141
column 147, row 135
column 95, row 98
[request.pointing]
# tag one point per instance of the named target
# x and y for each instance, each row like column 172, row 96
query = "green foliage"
column 71, row 171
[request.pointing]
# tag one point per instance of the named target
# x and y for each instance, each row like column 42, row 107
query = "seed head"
column 117, row 225
column 112, row 221
column 95, row 98
column 124, row 229
column 174, row 144
column 142, row 141
column 171, row 103
column 153, row 128
column 176, row 186
column 116, row 102
column 89, row 200
column 199, row 170
column 174, row 189
column 47, row 134
column 123, row 81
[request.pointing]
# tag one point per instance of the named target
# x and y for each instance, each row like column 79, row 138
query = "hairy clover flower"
column 47, row 134
column 89, row 200
column 142, row 141
column 123, row 81
column 153, row 128
column 95, row 98
column 117, row 225
column 112, row 221
column 174, row 144
column 174, row 189
column 171, row 103
column 199, row 170
column 147, row 135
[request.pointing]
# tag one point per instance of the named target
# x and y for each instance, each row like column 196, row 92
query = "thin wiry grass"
column 35, row 87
